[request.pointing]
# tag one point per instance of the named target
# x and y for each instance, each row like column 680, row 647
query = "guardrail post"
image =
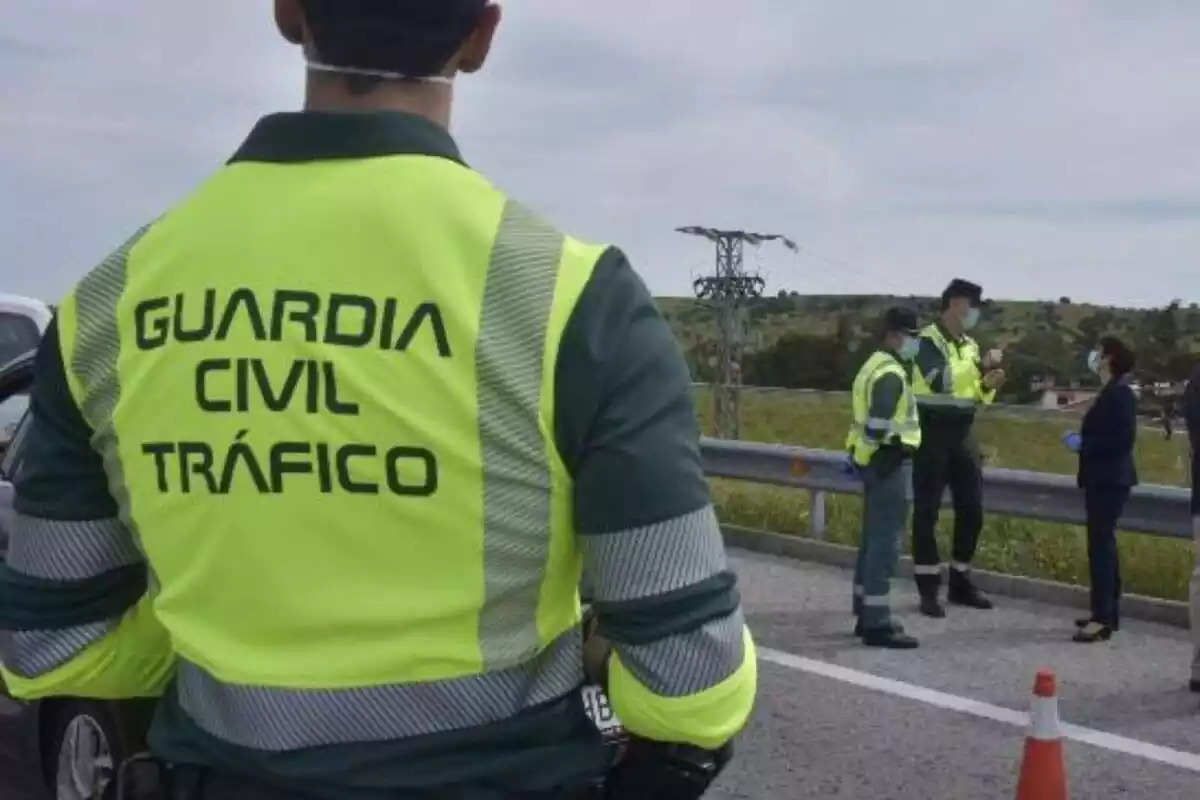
column 816, row 514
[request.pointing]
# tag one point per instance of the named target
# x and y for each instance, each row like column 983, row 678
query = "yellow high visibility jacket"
column 884, row 408
column 947, row 374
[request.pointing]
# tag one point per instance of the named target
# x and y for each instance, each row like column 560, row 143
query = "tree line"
column 1039, row 347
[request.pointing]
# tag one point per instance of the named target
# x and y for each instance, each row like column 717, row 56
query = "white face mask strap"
column 319, row 66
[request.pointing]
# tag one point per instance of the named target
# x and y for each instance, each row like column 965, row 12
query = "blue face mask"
column 971, row 319
column 908, row 350
column 1093, row 361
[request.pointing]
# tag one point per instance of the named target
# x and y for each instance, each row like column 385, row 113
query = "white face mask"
column 971, row 319
column 909, row 348
column 319, row 66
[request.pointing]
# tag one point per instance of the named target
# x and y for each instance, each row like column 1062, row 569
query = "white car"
column 23, row 320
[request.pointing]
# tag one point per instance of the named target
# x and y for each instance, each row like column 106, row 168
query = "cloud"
column 1041, row 148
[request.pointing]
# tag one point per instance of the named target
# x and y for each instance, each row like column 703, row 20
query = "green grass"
column 1150, row 565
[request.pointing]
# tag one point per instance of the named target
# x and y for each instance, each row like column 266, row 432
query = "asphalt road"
column 816, row 736
column 847, row 722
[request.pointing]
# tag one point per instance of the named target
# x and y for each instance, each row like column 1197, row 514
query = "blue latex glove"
column 848, row 467
column 1073, row 441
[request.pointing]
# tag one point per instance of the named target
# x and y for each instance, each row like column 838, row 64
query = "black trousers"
column 948, row 457
column 189, row 783
column 1104, row 505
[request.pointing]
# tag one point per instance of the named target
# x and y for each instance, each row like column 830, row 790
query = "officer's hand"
column 992, row 357
column 994, row 379
column 596, row 650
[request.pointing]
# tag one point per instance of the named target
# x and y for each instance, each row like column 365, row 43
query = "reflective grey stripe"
column 517, row 302
column 63, row 550
column 654, row 559
column 945, row 400
column 32, row 654
column 927, row 569
column 959, row 566
column 877, row 423
column 876, row 601
column 94, row 362
column 691, row 662
column 277, row 719
column 901, row 428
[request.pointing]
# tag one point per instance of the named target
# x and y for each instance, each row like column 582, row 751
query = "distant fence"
column 1156, row 510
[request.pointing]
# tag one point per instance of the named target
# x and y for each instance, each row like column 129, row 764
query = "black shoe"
column 930, row 607
column 1083, row 622
column 1093, row 632
column 965, row 594
column 858, row 627
column 893, row 638
column 1194, row 685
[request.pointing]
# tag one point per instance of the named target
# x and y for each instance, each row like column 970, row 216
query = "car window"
column 12, row 410
column 10, row 445
column 18, row 335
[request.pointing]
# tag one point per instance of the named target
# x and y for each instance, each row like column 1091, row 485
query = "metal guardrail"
column 1156, row 510
column 1068, row 415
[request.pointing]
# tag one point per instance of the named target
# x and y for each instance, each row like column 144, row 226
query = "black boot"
column 931, row 607
column 963, row 593
column 892, row 637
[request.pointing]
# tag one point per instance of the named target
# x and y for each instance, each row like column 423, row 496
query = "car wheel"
column 83, row 744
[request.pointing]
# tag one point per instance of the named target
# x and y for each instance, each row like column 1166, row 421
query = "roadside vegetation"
column 1150, row 565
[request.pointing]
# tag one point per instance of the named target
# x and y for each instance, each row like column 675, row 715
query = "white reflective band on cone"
column 927, row 569
column 1043, row 720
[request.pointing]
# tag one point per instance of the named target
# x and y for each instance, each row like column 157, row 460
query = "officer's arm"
column 986, row 396
column 885, row 399
column 683, row 667
column 932, row 365
column 74, row 616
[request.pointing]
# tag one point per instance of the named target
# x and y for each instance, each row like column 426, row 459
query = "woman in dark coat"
column 1107, row 475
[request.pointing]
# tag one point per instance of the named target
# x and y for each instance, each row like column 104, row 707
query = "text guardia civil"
column 240, row 385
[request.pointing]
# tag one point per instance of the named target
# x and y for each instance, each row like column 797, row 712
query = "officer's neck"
column 432, row 101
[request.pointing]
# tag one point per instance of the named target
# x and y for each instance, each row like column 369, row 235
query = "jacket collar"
column 300, row 136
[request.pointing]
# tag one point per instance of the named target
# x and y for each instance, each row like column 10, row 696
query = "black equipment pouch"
column 656, row 771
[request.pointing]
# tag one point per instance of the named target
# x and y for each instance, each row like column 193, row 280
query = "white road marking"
column 964, row 705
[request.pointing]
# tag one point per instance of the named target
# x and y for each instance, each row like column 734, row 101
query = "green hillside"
column 817, row 341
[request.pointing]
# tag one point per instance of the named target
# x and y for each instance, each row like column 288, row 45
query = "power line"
column 727, row 289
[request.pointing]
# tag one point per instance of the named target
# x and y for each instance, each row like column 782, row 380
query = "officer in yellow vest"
column 882, row 439
column 321, row 456
column 951, row 380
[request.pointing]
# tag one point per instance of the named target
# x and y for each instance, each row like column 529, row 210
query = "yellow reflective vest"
column 248, row 381
column 867, row 433
column 957, row 382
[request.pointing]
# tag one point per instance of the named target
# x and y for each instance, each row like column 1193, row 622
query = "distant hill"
column 818, row 341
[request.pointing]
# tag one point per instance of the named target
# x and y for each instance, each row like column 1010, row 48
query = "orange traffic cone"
column 1043, row 771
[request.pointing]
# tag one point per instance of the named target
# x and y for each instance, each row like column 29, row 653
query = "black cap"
column 962, row 288
column 903, row 320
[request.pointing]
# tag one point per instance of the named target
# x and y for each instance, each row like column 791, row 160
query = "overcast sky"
column 1041, row 147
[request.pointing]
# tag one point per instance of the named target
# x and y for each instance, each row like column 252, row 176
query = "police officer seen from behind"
column 320, row 456
column 882, row 439
column 951, row 380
